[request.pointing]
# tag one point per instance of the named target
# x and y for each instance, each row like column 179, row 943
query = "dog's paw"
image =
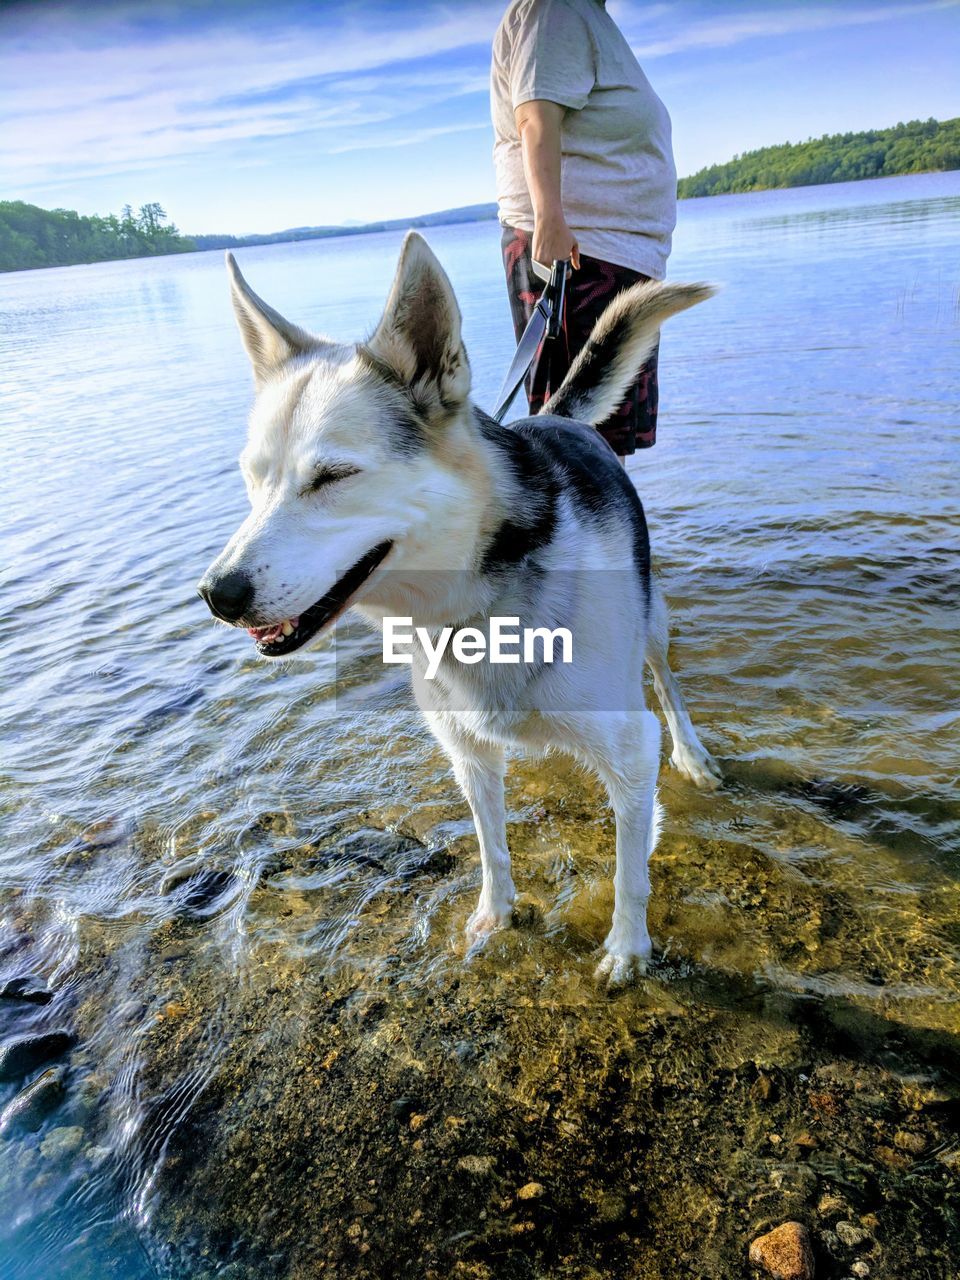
column 620, row 970
column 625, row 959
column 487, row 919
column 698, row 766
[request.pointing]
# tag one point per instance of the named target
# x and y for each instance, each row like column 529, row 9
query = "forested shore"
column 921, row 146
column 34, row 237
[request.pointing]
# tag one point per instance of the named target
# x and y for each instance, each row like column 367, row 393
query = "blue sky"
column 244, row 117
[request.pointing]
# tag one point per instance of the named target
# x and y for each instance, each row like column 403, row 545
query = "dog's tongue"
column 270, row 635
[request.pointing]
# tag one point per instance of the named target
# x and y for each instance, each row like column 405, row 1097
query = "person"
column 584, row 169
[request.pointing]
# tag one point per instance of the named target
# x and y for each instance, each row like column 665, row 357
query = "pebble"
column 851, row 1235
column 106, row 833
column 830, row 1204
column 784, row 1253
column 27, row 1111
column 198, row 891
column 26, row 987
column 531, row 1191
column 860, row 1269
column 21, row 1054
column 611, row 1208
column 892, row 1158
column 762, row 1089
column 62, row 1142
column 476, row 1164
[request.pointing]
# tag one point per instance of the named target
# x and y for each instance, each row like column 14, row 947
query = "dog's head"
column 341, row 464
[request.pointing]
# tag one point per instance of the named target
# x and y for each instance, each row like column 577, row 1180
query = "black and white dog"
column 375, row 483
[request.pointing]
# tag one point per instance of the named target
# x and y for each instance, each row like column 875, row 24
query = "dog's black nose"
column 228, row 596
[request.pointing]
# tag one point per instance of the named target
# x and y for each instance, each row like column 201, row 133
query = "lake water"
column 247, row 894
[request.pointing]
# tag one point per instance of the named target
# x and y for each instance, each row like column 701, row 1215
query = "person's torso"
column 618, row 175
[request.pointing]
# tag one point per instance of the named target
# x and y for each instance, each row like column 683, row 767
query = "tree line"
column 920, row 146
column 34, row 237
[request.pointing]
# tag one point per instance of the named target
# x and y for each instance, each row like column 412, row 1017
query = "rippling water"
column 202, row 855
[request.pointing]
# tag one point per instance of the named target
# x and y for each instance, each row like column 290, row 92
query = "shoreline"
column 429, row 221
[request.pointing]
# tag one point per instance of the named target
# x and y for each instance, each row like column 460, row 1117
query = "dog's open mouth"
column 285, row 637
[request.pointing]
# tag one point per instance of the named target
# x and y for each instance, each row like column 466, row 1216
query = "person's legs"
column 589, row 291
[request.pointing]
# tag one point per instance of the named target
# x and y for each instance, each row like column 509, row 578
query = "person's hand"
column 553, row 239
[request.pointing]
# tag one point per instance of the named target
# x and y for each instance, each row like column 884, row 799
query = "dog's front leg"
column 479, row 769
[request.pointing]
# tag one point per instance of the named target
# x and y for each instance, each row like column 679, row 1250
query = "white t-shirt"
column 618, row 180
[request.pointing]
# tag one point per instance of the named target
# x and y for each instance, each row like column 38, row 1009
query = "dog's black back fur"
column 549, row 455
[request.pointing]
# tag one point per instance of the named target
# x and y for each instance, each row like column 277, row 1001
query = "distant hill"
column 34, row 237
column 466, row 213
column 922, row 146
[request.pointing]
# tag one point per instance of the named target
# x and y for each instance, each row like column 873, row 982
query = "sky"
column 250, row 117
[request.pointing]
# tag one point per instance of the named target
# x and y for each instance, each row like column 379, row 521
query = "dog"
column 375, row 484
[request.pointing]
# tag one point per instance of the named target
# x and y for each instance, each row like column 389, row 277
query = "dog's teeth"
column 287, row 628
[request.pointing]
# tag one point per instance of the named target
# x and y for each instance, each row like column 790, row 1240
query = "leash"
column 545, row 325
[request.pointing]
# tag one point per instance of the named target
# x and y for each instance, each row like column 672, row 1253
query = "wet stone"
column 25, row 987
column 106, row 833
column 21, row 1054
column 762, row 1089
column 477, row 1165
column 830, row 1204
column 851, row 1235
column 60, row 1144
column 27, row 1111
column 784, row 1253
column 915, row 1143
column 199, row 892
column 530, row 1191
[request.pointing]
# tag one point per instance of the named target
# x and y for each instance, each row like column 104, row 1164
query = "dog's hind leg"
column 689, row 756
column 479, row 768
column 628, row 768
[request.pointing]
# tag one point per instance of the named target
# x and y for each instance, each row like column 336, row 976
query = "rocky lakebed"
column 279, row 1102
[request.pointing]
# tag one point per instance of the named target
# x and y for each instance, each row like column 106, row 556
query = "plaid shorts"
column 589, row 290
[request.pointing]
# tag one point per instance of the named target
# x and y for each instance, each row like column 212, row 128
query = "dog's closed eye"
column 324, row 476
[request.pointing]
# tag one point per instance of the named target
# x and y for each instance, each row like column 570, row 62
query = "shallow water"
column 247, row 887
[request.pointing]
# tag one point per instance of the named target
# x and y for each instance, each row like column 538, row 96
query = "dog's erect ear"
column 418, row 337
column 269, row 339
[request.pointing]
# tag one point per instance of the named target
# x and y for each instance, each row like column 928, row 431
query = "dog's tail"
column 621, row 341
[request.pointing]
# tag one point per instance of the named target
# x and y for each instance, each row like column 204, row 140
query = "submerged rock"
column 21, row 1054
column 197, row 892
column 25, row 987
column 851, row 1235
column 28, row 1110
column 478, row 1165
column 106, row 833
column 784, row 1253
column 62, row 1142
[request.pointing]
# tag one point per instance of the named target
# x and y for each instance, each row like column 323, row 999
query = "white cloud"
column 193, row 96
column 73, row 104
column 399, row 138
column 735, row 28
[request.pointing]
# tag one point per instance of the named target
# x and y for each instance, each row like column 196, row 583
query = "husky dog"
column 375, row 483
